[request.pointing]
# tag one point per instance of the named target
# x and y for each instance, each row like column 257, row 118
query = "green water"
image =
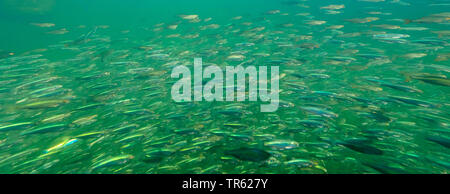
column 85, row 86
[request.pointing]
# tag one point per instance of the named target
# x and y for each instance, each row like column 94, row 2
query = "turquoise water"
column 85, row 86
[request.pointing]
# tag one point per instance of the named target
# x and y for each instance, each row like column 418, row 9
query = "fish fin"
column 407, row 21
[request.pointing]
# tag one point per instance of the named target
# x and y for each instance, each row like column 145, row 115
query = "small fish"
column 414, row 55
column 249, row 154
column 236, row 57
column 363, row 20
column 46, row 89
column 360, row 145
column 413, row 101
column 61, row 145
column 43, row 25
column 333, row 7
column 5, row 54
column 391, row 36
column 434, row 18
column 441, row 140
column 320, row 112
column 440, row 80
column 414, row 28
column 44, row 129
column 189, row 17
column 316, row 22
column 45, row 104
column 442, row 33
column 302, row 163
column 90, row 106
column 118, row 160
column 274, row 11
column 313, row 124
column 85, row 120
column 59, row 32
column 395, row 86
column 387, row 26
column 90, row 135
column 282, row 144
column 385, row 168
column 156, row 155
column 56, row 118
column 335, row 27
column 15, row 126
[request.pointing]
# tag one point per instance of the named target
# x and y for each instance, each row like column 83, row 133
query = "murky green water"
column 85, row 86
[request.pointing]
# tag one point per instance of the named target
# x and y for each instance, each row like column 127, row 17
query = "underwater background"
column 85, row 86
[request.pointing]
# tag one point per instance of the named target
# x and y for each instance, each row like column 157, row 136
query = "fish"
column 249, row 154
column 385, row 168
column 414, row 55
column 442, row 57
column 56, row 118
column 413, row 101
column 61, row 145
column 89, row 135
column 395, row 86
column 441, row 140
column 90, row 106
column 363, row 88
column 45, row 104
column 156, row 155
column 43, row 25
column 387, row 26
column 316, row 22
column 362, row 20
column 46, row 89
column 433, row 18
column 430, row 41
column 360, row 145
column 336, row 27
column 414, row 28
column 59, row 32
column 442, row 33
column 440, row 80
column 85, row 120
column 44, row 129
column 5, row 54
column 15, row 126
column 333, row 7
column 313, row 123
column 391, row 36
column 320, row 112
column 190, row 17
column 282, row 144
column 114, row 161
column 236, row 57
